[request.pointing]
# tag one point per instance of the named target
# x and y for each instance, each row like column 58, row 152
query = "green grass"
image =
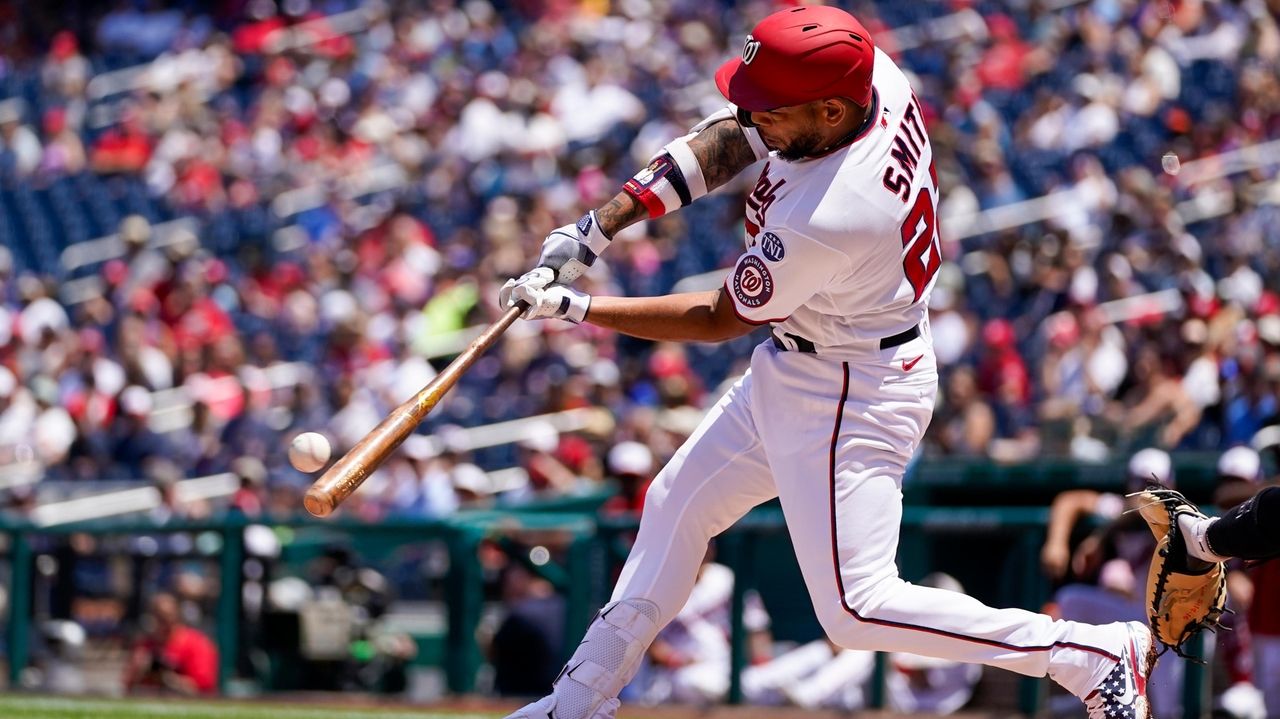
column 14, row 706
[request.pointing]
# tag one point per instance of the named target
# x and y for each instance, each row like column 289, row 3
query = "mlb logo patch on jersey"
column 771, row 247
column 752, row 283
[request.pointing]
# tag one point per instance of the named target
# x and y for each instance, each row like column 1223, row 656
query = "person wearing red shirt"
column 631, row 465
column 173, row 657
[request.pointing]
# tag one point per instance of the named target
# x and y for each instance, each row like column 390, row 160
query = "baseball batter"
column 841, row 255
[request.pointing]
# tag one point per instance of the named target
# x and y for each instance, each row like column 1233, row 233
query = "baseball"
column 309, row 452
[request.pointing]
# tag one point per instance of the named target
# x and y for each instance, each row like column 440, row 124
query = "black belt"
column 804, row 345
column 901, row 338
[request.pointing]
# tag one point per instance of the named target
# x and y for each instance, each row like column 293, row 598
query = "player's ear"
column 833, row 111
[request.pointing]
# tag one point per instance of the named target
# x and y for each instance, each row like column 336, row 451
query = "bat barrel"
column 354, row 468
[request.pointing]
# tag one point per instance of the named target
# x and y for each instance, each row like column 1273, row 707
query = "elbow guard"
column 661, row 187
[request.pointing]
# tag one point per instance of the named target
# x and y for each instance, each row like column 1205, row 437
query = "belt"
column 901, row 338
column 807, row 347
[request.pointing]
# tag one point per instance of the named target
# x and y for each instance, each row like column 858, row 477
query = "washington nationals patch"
column 752, row 283
column 771, row 247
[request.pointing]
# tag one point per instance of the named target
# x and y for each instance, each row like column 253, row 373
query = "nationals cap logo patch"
column 771, row 247
column 752, row 283
column 749, row 50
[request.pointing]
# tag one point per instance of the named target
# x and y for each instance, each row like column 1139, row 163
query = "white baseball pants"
column 831, row 439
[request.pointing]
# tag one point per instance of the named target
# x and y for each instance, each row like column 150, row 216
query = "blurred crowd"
column 364, row 175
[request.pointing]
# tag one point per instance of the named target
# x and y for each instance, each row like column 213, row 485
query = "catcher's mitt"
column 1184, row 594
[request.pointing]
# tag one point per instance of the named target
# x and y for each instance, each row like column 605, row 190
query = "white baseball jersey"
column 843, row 249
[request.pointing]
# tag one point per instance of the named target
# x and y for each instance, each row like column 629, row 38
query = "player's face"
column 792, row 131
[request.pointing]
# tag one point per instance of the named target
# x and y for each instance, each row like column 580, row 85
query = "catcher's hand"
column 1184, row 594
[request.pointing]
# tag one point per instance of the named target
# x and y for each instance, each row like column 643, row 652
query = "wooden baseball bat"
column 354, row 468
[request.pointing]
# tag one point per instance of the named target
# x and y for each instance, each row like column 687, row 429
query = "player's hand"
column 536, row 279
column 545, row 300
column 568, row 251
column 1054, row 558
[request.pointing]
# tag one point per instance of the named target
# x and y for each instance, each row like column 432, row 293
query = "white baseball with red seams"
column 309, row 451
column 830, row 433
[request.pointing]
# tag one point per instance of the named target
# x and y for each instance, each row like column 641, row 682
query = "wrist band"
column 592, row 236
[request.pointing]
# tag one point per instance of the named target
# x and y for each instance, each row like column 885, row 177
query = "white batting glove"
column 571, row 249
column 537, row 278
column 545, row 300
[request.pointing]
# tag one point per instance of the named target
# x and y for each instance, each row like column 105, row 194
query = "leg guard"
column 602, row 665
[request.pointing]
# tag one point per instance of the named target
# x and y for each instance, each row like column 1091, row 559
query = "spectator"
column 248, row 499
column 548, row 475
column 631, row 465
column 526, row 650
column 20, row 149
column 172, row 656
column 124, row 149
column 64, row 153
column 66, row 72
column 133, row 443
column 965, row 424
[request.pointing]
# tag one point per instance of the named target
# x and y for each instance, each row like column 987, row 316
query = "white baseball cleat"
column 540, row 709
column 1123, row 694
column 545, row 708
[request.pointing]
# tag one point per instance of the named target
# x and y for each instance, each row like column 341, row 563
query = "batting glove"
column 536, row 279
column 545, row 299
column 571, row 249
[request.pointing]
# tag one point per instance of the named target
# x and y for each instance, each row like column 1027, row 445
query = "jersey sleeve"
column 778, row 273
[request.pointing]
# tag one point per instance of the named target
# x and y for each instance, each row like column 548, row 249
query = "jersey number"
column 922, row 253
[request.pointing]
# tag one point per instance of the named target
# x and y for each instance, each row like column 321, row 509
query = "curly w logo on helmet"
column 749, row 50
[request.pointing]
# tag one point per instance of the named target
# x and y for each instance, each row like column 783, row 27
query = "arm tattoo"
column 722, row 152
column 620, row 212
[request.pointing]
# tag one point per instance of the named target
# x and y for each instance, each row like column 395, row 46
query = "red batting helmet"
column 800, row 55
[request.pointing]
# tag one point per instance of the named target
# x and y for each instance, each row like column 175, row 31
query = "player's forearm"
column 620, row 212
column 721, row 151
column 685, row 317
